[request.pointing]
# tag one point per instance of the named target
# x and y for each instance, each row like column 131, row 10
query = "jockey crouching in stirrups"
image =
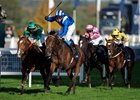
column 94, row 36
column 35, row 33
column 120, row 38
column 67, row 28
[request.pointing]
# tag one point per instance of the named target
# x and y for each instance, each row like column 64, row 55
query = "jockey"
column 93, row 34
column 35, row 33
column 67, row 28
column 120, row 39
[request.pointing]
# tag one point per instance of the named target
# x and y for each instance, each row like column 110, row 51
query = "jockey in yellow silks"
column 118, row 36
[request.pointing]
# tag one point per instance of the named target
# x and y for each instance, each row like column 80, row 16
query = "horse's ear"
column 19, row 36
column 105, row 39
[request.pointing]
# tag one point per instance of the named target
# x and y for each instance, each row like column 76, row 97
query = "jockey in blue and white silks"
column 67, row 27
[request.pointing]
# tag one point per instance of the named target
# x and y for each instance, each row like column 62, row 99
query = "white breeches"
column 70, row 31
column 96, row 41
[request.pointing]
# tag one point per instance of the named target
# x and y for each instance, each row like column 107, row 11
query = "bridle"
column 24, row 45
column 114, row 48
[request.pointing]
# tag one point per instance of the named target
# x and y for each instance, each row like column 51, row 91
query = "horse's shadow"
column 12, row 90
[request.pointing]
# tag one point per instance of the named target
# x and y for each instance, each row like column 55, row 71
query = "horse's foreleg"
column 88, row 76
column 111, row 79
column 73, row 83
column 49, row 75
column 42, row 72
column 24, row 78
column 70, row 75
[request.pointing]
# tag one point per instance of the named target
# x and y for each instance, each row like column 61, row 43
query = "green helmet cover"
column 31, row 25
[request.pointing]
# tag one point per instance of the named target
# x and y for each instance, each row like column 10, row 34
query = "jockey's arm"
column 26, row 34
column 50, row 19
column 65, row 29
column 39, row 33
column 124, row 38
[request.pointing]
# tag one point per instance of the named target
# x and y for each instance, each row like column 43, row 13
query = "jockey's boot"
column 43, row 48
column 74, row 50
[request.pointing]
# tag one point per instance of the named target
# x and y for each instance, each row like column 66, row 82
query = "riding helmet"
column 116, row 31
column 32, row 25
column 59, row 13
column 89, row 27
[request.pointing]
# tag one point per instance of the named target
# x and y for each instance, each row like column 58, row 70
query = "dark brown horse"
column 94, row 59
column 32, row 59
column 62, row 56
column 117, row 61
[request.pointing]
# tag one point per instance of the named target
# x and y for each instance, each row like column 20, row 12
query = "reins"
column 116, row 55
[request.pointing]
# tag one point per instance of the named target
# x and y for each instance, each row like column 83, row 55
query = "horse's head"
column 83, row 42
column 111, row 46
column 23, row 45
column 52, row 44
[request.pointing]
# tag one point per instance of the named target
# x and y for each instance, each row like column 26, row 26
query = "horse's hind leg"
column 129, row 69
column 124, row 75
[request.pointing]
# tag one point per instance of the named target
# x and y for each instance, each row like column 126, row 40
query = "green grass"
column 10, row 89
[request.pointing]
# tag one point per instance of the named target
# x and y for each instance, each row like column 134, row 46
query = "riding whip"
column 55, row 8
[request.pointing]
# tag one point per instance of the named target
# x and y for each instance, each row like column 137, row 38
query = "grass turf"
column 10, row 89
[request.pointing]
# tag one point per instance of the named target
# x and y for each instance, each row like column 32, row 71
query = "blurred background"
column 105, row 14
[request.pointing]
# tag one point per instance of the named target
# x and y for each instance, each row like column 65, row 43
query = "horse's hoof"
column 89, row 85
column 47, row 89
column 84, row 82
column 128, row 86
column 21, row 93
column 67, row 93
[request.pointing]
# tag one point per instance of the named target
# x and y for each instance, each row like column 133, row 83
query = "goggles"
column 88, row 31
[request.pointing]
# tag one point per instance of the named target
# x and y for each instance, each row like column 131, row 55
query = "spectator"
column 9, row 32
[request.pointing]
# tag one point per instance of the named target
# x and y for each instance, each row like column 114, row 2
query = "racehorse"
column 95, row 58
column 32, row 59
column 61, row 56
column 117, row 61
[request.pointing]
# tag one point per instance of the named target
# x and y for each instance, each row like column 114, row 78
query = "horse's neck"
column 36, row 49
column 117, row 50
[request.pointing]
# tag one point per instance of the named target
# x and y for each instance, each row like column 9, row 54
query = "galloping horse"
column 117, row 61
column 61, row 56
column 32, row 59
column 94, row 59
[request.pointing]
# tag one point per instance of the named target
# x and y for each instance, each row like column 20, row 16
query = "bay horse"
column 61, row 56
column 117, row 61
column 94, row 59
column 32, row 59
